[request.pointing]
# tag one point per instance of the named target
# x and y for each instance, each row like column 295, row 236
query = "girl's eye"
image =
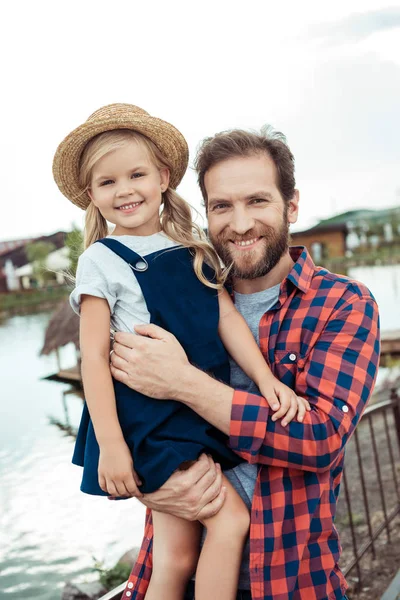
column 106, row 182
column 136, row 175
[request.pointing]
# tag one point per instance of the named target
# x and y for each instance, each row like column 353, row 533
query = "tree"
column 74, row 243
column 37, row 253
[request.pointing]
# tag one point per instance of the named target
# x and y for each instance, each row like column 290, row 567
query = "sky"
column 325, row 74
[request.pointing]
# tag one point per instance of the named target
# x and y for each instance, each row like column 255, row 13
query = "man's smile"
column 246, row 244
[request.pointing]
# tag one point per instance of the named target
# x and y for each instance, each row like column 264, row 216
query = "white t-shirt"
column 103, row 274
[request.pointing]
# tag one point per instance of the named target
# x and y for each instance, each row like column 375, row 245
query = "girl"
column 122, row 166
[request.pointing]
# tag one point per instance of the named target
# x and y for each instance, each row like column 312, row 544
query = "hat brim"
column 165, row 136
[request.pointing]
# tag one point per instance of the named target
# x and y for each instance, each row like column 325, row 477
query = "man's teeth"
column 128, row 206
column 246, row 243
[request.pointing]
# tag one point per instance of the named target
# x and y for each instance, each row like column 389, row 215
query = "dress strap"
column 134, row 260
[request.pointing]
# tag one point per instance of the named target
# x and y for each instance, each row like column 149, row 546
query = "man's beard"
column 276, row 243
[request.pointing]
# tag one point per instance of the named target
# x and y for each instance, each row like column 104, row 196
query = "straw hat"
column 167, row 138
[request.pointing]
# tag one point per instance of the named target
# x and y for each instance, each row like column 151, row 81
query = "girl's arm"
column 116, row 475
column 241, row 345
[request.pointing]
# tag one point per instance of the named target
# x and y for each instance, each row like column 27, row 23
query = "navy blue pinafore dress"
column 162, row 434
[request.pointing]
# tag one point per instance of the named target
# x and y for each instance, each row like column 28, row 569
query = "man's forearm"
column 208, row 397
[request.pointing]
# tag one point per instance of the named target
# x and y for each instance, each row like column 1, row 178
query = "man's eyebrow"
column 256, row 195
column 217, row 201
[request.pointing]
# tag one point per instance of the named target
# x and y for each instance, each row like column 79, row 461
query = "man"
column 318, row 331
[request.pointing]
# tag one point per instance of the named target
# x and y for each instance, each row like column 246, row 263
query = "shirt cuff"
column 248, row 424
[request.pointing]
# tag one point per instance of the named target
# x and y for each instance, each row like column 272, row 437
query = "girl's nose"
column 125, row 190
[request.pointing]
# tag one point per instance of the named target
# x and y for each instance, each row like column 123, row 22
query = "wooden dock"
column 72, row 375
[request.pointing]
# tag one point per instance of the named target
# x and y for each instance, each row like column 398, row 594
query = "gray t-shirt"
column 243, row 477
column 103, row 274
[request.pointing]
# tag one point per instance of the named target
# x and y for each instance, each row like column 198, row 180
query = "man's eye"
column 258, row 201
column 219, row 206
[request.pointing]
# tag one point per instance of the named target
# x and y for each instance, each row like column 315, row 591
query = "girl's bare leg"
column 218, row 567
column 176, row 547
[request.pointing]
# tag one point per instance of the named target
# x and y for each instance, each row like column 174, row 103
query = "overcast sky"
column 326, row 74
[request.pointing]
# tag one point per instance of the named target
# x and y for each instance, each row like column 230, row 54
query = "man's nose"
column 241, row 221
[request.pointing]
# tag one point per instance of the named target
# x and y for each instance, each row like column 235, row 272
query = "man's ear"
column 293, row 207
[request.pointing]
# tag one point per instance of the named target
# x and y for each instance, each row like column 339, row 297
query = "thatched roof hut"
column 62, row 329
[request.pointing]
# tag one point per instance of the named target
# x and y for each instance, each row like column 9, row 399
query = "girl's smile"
column 126, row 187
column 129, row 208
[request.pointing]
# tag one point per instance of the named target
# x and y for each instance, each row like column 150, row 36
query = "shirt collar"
column 303, row 269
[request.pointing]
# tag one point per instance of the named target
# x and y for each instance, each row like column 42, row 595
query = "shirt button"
column 130, row 585
column 292, row 357
column 128, row 594
column 141, row 265
column 345, row 408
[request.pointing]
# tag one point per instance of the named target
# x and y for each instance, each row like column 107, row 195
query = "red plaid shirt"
column 322, row 339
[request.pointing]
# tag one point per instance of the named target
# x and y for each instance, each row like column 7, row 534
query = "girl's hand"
column 117, row 476
column 283, row 400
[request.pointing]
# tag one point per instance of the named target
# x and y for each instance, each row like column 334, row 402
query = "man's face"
column 248, row 219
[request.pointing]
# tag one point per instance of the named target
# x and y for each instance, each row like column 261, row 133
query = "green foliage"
column 110, row 578
column 37, row 253
column 24, row 300
column 74, row 243
column 357, row 519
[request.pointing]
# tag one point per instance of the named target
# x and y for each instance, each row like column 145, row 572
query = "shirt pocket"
column 285, row 366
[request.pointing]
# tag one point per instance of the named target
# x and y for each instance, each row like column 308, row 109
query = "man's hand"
column 151, row 363
column 194, row 494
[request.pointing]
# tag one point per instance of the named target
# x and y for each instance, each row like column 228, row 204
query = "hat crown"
column 112, row 111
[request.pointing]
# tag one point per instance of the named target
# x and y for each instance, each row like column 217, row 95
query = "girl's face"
column 126, row 187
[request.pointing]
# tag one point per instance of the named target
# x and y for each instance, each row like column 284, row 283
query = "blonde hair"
column 176, row 217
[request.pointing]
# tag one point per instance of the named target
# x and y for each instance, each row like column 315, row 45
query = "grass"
column 31, row 298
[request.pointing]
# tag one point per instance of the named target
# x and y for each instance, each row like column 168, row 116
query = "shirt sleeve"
column 337, row 378
column 92, row 281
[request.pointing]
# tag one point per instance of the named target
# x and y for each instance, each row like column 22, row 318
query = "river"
column 49, row 530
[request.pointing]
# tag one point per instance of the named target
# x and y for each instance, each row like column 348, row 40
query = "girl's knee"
column 232, row 521
column 176, row 561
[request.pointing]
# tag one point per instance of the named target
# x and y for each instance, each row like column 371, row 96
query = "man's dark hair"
column 237, row 142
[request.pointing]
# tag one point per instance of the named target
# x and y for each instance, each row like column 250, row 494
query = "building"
column 355, row 232
column 13, row 257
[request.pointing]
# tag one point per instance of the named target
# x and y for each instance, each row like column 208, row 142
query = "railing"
column 371, row 495
column 372, row 489
column 115, row 594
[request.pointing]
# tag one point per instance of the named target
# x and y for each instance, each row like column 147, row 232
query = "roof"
column 18, row 254
column 343, row 221
column 321, row 228
column 62, row 329
column 9, row 245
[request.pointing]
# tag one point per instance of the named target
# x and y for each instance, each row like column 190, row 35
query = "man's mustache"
column 227, row 236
